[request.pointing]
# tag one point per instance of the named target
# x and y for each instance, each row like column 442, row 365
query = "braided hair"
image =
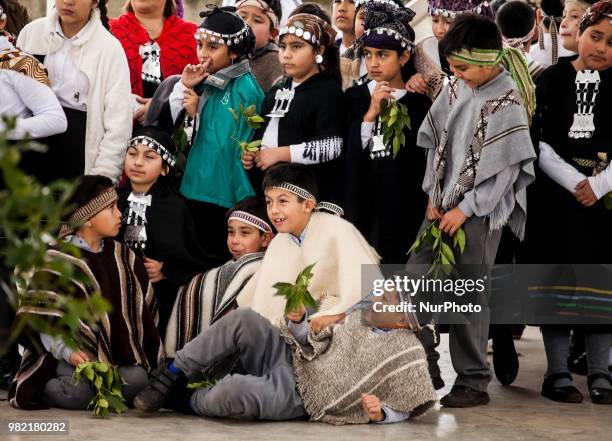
column 103, row 14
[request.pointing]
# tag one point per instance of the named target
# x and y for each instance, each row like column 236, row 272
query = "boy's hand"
column 141, row 113
column 298, row 315
column 584, row 193
column 190, row 102
column 248, row 160
column 372, row 407
column 452, row 221
column 194, row 74
column 154, row 270
column 432, row 213
column 266, row 158
column 78, row 357
column 317, row 324
column 381, row 92
column 417, row 84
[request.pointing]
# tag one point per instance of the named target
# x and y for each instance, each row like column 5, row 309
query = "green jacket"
column 214, row 172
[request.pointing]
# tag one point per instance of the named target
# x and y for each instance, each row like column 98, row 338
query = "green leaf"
column 447, row 252
column 608, row 201
column 396, row 146
column 89, row 373
column 234, row 113
column 460, row 235
column 103, row 403
column 98, row 382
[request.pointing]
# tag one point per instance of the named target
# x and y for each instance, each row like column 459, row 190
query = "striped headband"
column 87, row 211
column 330, row 208
column 261, row 4
column 519, row 42
column 151, row 143
column 299, row 191
column 479, row 57
column 250, row 219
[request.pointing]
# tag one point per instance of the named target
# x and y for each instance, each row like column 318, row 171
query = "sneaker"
column 462, row 396
column 154, row 395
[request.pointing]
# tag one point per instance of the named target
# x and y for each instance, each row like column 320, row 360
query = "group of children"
column 193, row 269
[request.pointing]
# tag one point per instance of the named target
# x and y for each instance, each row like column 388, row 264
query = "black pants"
column 211, row 227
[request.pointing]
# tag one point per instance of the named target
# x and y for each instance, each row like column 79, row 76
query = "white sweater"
column 101, row 57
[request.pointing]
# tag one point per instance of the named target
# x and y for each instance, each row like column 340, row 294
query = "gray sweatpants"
column 468, row 343
column 63, row 391
column 267, row 391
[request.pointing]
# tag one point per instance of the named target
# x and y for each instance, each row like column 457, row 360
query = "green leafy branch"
column 107, row 382
column 297, row 293
column 608, row 201
column 443, row 254
column 394, row 118
column 253, row 120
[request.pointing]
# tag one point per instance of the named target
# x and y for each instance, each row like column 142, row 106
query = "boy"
column 157, row 224
column 210, row 295
column 343, row 16
column 359, row 355
column 263, row 18
column 479, row 164
column 130, row 341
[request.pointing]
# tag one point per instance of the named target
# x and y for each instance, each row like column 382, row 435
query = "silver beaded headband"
column 360, row 3
column 405, row 42
column 452, row 14
column 250, row 219
column 299, row 191
column 330, row 207
column 149, row 142
column 310, row 28
column 227, row 39
column 299, row 32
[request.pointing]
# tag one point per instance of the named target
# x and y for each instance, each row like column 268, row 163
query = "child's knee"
column 66, row 393
column 136, row 379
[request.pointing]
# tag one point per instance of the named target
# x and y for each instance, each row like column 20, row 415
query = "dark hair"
column 169, row 8
column 87, row 188
column 255, row 205
column 331, row 56
column 515, row 19
column 103, row 14
column 296, row 174
column 471, row 31
column 225, row 20
column 551, row 8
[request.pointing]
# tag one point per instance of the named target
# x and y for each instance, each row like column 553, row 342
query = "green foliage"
column 200, row 384
column 444, row 259
column 394, row 118
column 253, row 120
column 106, row 381
column 608, row 201
column 297, row 293
column 30, row 215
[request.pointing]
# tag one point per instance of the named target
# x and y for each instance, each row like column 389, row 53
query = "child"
column 214, row 179
column 263, row 18
column 479, row 163
column 157, row 224
column 343, row 12
column 432, row 67
column 304, row 121
column 382, row 195
column 284, row 375
column 575, row 147
column 573, row 11
column 130, row 341
column 89, row 74
column 210, row 295
column 518, row 25
column 549, row 47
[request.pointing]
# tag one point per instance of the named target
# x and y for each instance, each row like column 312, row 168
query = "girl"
column 214, row 179
column 376, row 180
column 89, row 74
column 575, row 149
column 157, row 44
column 303, row 115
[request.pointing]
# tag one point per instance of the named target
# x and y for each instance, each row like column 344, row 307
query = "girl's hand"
column 317, row 324
column 372, row 407
column 452, row 221
column 381, row 92
column 190, row 102
column 248, row 160
column 266, row 158
column 432, row 213
column 154, row 270
column 194, row 74
column 298, row 315
column 584, row 193
column 78, row 357
column 141, row 113
column 417, row 84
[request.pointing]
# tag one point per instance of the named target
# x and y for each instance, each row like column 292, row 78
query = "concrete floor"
column 515, row 413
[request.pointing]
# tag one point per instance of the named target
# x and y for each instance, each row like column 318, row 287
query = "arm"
column 367, row 130
column 315, row 152
column 299, row 330
column 393, row 416
column 602, row 183
column 56, row 347
column 176, row 100
column 482, row 199
column 557, row 169
column 47, row 115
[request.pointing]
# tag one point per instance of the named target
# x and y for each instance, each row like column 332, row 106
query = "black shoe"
column 155, row 394
column 438, row 383
column 462, row 396
column 505, row 359
column 578, row 365
column 599, row 395
column 564, row 394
